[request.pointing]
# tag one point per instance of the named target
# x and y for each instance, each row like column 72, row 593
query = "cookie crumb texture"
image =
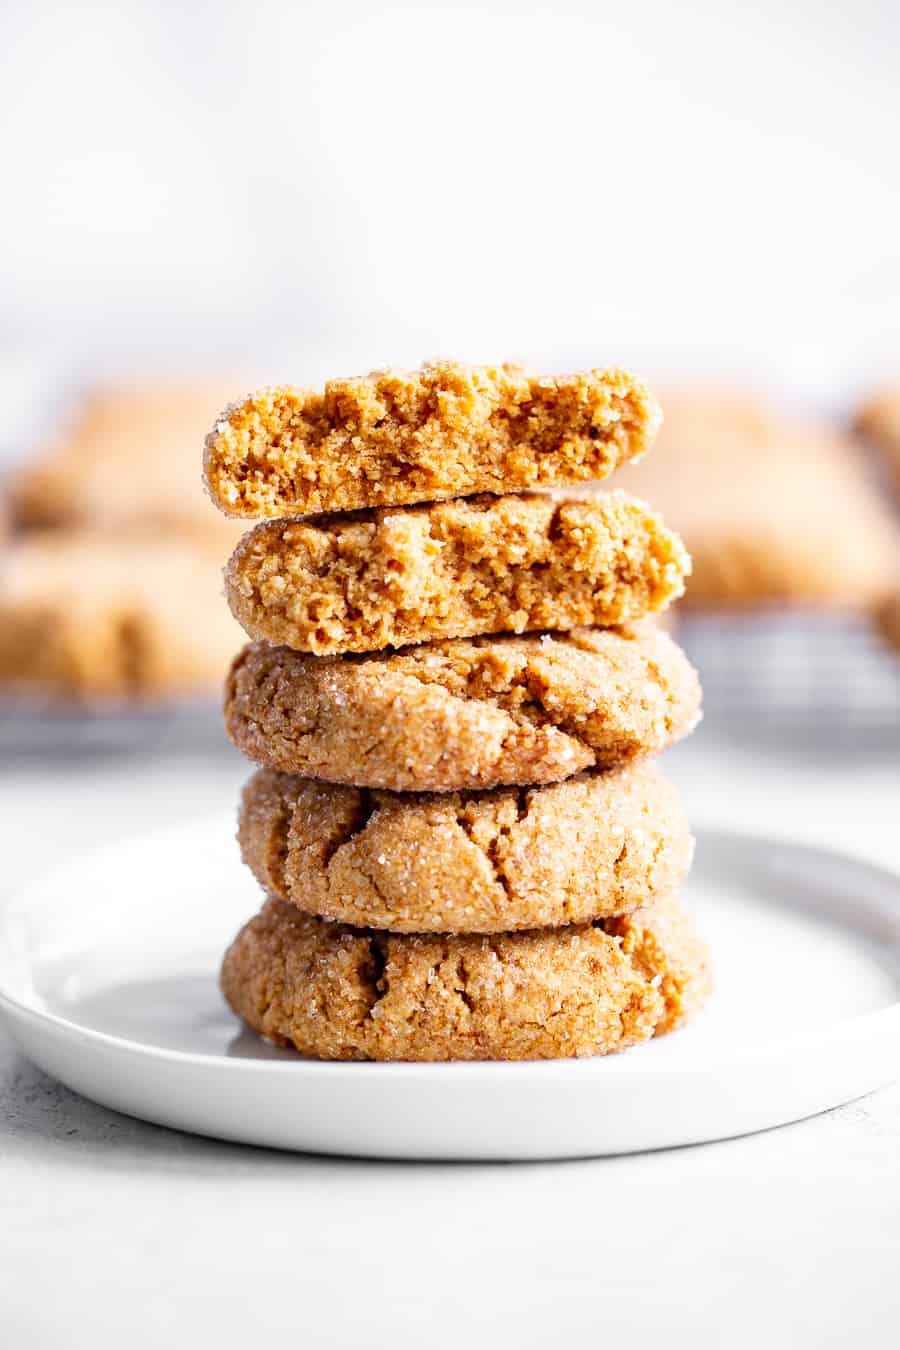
column 335, row 992
column 465, row 713
column 454, row 569
column 446, row 430
column 491, row 862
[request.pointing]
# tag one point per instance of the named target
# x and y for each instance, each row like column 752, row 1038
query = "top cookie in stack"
column 447, row 430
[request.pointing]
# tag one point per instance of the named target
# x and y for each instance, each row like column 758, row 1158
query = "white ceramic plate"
column 108, row 982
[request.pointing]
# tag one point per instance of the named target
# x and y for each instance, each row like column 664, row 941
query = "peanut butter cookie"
column 343, row 993
column 777, row 515
column 465, row 713
column 85, row 616
column 128, row 457
column 467, row 862
column 454, row 569
column 446, row 430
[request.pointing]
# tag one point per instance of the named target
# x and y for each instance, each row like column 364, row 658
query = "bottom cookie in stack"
column 336, row 992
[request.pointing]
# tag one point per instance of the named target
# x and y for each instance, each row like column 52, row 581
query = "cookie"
column 453, row 569
column 129, row 457
column 446, row 430
column 879, row 421
column 86, row 616
column 785, row 517
column 465, row 713
column 467, row 862
column 717, row 415
column 343, row 993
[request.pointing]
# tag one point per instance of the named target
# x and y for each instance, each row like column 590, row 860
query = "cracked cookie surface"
column 465, row 713
column 478, row 862
column 454, row 569
column 343, row 993
column 446, row 430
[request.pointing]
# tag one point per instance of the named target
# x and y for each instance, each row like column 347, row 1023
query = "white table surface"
column 114, row 1231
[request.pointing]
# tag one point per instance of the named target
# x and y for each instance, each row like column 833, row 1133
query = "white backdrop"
column 322, row 187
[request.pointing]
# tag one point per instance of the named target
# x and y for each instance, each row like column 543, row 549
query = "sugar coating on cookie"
column 85, row 615
column 457, row 862
column 343, row 993
column 454, row 569
column 465, row 713
column 446, row 430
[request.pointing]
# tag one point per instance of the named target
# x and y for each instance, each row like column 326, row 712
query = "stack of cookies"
column 455, row 689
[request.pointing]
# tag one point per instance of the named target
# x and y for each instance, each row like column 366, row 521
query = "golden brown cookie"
column 128, row 457
column 467, row 862
column 446, row 430
column 879, row 421
column 453, row 569
column 717, row 415
column 782, row 514
column 343, row 993
column 86, row 615
column 466, row 713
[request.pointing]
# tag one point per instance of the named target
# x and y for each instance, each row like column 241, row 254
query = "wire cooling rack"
column 30, row 727
column 815, row 672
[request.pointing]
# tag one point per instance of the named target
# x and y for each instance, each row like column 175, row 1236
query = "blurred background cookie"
column 111, row 573
column 88, row 616
column 126, row 454
column 794, row 544
column 773, row 511
column 878, row 420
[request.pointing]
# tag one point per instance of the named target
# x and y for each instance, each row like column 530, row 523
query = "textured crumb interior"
column 446, row 430
column 454, row 569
